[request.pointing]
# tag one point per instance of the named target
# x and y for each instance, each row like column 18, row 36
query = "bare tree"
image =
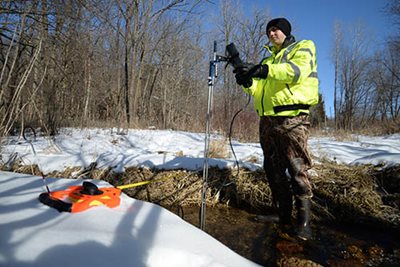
column 19, row 56
column 144, row 63
column 336, row 57
column 384, row 76
column 248, row 34
column 352, row 63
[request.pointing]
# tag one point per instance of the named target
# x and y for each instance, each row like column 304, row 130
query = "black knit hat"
column 282, row 24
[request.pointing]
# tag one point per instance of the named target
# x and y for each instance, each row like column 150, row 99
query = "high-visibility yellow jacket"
column 291, row 87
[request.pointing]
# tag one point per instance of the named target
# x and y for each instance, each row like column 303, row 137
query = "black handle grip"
column 232, row 55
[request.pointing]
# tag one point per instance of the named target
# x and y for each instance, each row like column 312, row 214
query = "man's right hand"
column 243, row 80
column 242, row 74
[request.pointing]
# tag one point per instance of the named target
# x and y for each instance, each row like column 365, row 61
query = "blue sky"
column 315, row 19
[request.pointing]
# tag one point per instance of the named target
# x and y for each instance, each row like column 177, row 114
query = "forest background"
column 141, row 64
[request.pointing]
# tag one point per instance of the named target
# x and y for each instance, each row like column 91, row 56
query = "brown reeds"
column 342, row 194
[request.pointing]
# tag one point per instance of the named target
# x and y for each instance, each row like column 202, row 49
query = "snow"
column 379, row 150
column 167, row 149
column 135, row 233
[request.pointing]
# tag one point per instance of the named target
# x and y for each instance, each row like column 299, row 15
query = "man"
column 284, row 86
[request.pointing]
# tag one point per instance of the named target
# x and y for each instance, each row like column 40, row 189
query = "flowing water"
column 255, row 237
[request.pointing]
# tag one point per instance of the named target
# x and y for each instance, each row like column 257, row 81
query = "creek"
column 255, row 238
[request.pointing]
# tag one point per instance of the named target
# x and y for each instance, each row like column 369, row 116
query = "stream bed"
column 255, row 237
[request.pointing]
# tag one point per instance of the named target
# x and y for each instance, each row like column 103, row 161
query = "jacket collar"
column 288, row 41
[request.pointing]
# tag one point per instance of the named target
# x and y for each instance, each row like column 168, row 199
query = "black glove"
column 247, row 71
column 242, row 77
column 243, row 80
column 258, row 71
column 243, row 68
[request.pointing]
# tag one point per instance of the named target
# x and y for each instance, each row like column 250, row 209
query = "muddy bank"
column 356, row 214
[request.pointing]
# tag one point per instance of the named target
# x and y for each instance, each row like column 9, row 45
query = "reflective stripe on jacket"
column 291, row 87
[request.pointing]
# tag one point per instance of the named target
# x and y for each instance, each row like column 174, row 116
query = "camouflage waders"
column 284, row 144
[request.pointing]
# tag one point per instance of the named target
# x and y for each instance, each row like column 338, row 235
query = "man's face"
column 276, row 36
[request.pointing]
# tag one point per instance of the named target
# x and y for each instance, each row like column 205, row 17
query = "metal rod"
column 36, row 161
column 211, row 79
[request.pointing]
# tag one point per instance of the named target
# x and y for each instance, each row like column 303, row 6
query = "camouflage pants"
column 284, row 144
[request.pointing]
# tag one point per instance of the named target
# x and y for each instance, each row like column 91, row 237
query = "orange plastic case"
column 108, row 196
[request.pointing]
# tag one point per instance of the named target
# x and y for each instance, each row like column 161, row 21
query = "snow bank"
column 136, row 233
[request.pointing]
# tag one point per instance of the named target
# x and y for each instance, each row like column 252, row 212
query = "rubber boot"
column 303, row 205
column 285, row 207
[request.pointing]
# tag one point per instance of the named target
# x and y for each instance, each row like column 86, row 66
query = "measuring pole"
column 213, row 73
column 28, row 138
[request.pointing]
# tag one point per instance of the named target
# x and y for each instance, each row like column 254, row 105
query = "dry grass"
column 219, row 148
column 352, row 194
column 371, row 129
column 170, row 188
column 349, row 194
column 338, row 135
